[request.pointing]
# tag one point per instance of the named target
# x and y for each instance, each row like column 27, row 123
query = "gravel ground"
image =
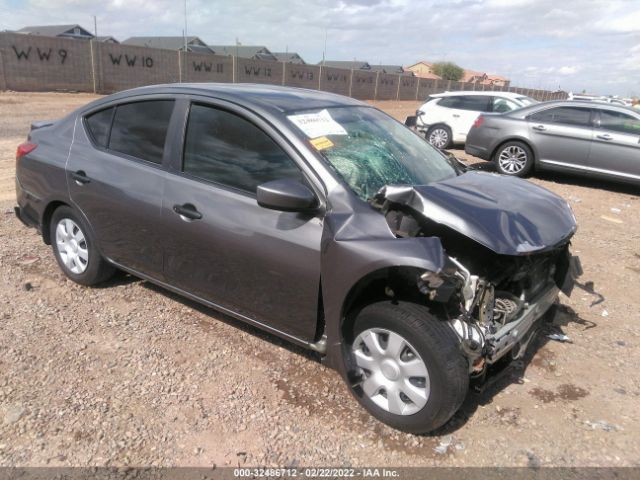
column 130, row 375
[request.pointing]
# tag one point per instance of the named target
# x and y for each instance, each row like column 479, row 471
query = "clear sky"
column 572, row 44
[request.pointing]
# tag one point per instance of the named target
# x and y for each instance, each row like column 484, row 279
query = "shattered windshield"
column 369, row 150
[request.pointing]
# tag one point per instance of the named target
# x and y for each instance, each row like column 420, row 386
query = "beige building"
column 423, row 70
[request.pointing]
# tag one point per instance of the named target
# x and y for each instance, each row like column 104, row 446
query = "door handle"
column 80, row 177
column 604, row 136
column 187, row 212
column 455, row 115
column 540, row 128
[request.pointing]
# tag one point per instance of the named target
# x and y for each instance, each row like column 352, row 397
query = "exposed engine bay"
column 491, row 299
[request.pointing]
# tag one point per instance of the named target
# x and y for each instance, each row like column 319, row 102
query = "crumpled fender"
column 510, row 216
column 354, row 245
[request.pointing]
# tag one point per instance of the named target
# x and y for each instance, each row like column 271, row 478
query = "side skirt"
column 320, row 346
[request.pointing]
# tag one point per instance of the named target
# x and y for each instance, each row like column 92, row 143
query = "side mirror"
column 411, row 121
column 286, row 195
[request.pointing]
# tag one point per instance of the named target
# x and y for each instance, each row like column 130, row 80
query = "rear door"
column 467, row 109
column 616, row 144
column 259, row 263
column 115, row 176
column 562, row 135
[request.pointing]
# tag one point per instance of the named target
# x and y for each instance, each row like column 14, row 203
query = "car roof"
column 478, row 92
column 523, row 112
column 273, row 98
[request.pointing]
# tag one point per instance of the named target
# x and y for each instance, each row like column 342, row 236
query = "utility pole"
column 185, row 26
column 324, row 51
column 95, row 26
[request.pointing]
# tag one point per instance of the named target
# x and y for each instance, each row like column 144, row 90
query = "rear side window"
column 140, row 129
column 476, row 103
column 564, row 115
column 99, row 124
column 224, row 148
column 619, row 122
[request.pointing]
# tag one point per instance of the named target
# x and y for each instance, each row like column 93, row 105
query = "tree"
column 448, row 71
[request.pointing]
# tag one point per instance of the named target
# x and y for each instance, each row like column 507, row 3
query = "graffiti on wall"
column 145, row 62
column 208, row 67
column 43, row 55
column 257, row 71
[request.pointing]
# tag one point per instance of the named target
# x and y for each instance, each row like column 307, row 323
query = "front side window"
column 449, row 102
column 503, row 105
column 224, row 148
column 369, row 150
column 564, row 115
column 619, row 122
column 140, row 129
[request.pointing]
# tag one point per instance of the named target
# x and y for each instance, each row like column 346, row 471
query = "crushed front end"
column 507, row 253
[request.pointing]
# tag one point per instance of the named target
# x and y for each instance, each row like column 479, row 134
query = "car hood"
column 508, row 215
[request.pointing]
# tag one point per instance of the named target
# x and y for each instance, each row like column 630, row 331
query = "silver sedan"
column 597, row 140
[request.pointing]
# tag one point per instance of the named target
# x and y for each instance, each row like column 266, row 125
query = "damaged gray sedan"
column 312, row 216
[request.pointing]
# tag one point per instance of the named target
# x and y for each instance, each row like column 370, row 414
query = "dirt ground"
column 129, row 374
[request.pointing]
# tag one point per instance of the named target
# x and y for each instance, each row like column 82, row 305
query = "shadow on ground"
column 507, row 372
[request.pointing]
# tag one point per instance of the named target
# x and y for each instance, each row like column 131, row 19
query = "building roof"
column 56, row 31
column 354, row 65
column 256, row 52
column 427, row 64
column 469, row 75
column 388, row 69
column 194, row 44
column 288, row 57
column 105, row 39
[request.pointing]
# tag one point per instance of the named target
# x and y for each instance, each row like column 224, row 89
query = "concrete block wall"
column 119, row 67
column 44, row 63
column 199, row 67
column 34, row 63
column 335, row 80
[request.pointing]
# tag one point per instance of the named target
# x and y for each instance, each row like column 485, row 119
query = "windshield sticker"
column 318, row 124
column 321, row 143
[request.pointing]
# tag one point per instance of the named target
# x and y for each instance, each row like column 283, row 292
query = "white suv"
column 447, row 117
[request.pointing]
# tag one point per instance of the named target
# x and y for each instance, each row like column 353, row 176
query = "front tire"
column 409, row 370
column 75, row 250
column 439, row 136
column 514, row 159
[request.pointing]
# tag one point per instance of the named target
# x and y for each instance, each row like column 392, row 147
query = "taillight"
column 479, row 121
column 25, row 148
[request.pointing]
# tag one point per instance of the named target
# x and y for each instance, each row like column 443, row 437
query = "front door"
column 220, row 245
column 115, row 177
column 562, row 135
column 616, row 144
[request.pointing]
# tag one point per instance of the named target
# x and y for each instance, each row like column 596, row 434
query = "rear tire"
column 439, row 136
column 514, row 159
column 409, row 370
column 75, row 249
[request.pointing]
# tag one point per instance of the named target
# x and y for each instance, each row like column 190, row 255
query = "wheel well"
column 391, row 284
column 46, row 220
column 439, row 124
column 521, row 140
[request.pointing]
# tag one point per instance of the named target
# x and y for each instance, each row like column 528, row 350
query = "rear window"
column 99, row 124
column 140, row 129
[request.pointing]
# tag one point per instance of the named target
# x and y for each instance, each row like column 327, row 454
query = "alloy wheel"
column 439, row 138
column 512, row 159
column 394, row 376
